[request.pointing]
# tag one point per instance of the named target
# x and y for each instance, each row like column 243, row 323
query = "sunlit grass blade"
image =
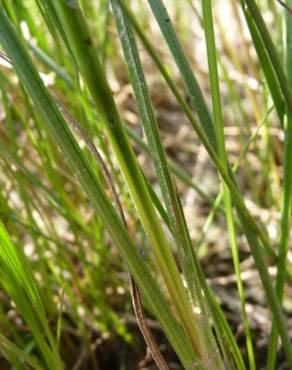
column 219, row 129
column 69, row 214
column 175, row 169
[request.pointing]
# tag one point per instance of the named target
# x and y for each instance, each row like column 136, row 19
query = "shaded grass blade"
column 17, row 358
column 271, row 51
column 265, row 63
column 287, row 193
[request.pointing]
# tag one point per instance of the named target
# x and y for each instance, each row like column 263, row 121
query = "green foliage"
column 54, row 199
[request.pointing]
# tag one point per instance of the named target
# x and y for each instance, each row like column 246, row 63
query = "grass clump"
column 82, row 207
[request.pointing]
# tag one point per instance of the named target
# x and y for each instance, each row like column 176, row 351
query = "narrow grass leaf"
column 266, row 64
column 219, row 129
column 196, row 97
column 272, row 52
column 287, row 193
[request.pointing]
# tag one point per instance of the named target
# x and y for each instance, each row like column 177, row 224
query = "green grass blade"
column 178, row 171
column 235, row 167
column 52, row 198
column 272, row 52
column 49, row 178
column 219, row 129
column 266, row 65
column 57, row 202
column 50, row 64
column 149, row 121
column 196, row 96
column 286, row 196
